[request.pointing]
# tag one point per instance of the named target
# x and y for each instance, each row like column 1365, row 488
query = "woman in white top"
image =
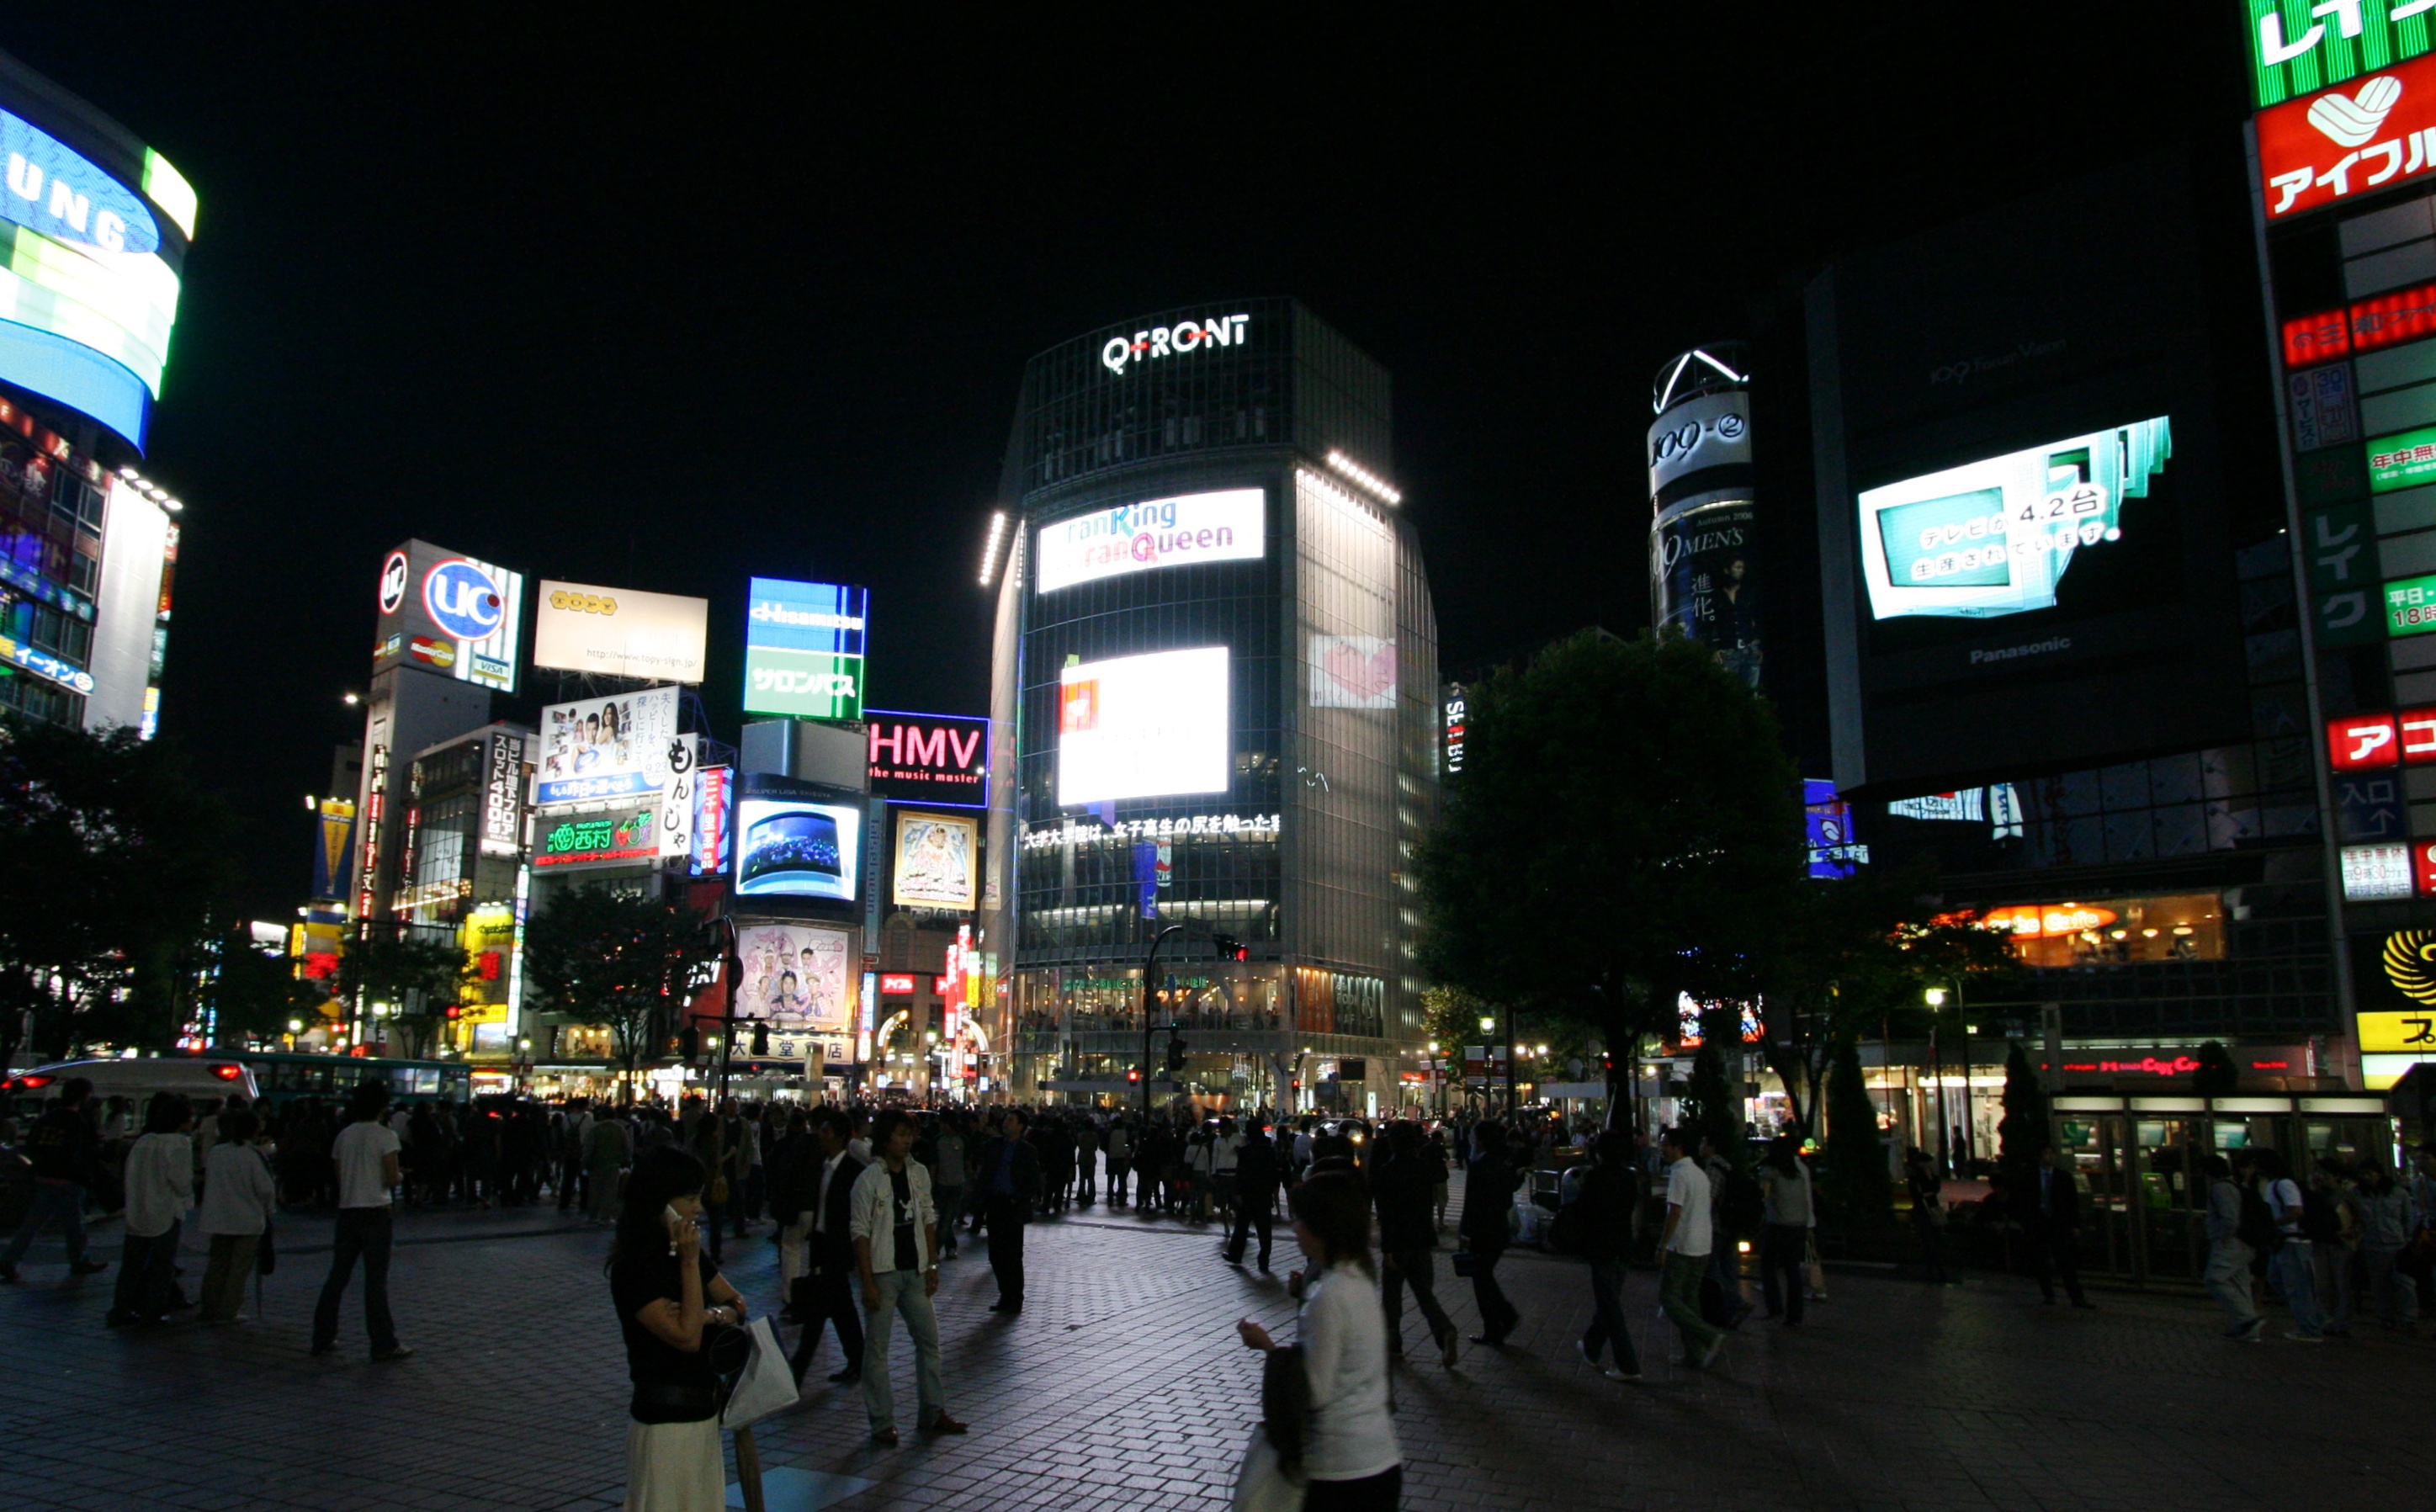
column 238, row 1200
column 1350, row 1458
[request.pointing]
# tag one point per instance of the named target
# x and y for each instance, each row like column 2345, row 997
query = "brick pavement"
column 1122, row 1386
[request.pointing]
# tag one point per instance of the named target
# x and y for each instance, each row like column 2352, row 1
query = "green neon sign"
column 2410, row 606
column 2401, row 462
column 2300, row 46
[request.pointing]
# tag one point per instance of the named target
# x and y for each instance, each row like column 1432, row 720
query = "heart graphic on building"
column 1352, row 673
column 2349, row 120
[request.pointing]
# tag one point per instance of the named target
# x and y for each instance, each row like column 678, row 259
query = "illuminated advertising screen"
column 933, row 759
column 797, row 839
column 2350, row 141
column 630, row 832
column 934, row 862
column 804, row 649
column 1147, row 726
column 794, row 976
column 2300, row 45
column 450, row 614
column 607, row 747
column 714, row 821
column 1227, row 526
column 90, row 261
column 1997, row 537
column 620, row 632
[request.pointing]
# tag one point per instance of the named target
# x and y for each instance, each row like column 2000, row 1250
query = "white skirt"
column 675, row 1468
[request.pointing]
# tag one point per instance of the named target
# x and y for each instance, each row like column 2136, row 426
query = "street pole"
column 1150, row 969
column 1511, row 1101
column 732, row 968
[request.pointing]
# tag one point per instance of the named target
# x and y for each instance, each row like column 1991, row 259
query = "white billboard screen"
column 579, row 627
column 1145, row 727
column 1228, row 525
column 609, row 747
column 794, row 847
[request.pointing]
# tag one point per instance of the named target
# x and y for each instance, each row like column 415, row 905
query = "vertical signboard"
column 503, row 790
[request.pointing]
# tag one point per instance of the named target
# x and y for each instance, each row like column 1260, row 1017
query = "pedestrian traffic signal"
column 1132, row 1074
column 690, row 1039
column 761, row 1037
column 1174, row 1053
column 451, row 1011
column 1231, row 949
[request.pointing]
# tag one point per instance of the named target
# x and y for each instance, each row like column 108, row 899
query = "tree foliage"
column 253, row 994
column 415, row 976
column 2024, row 1127
column 1626, row 830
column 1858, row 1191
column 110, row 860
column 617, row 960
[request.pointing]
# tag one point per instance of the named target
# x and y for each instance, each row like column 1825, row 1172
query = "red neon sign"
column 2319, row 338
column 2354, row 139
column 2362, row 741
column 2405, row 315
column 897, row 983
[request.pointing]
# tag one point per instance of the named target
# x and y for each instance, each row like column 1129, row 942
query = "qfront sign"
column 2354, row 139
column 1175, row 341
column 2300, row 45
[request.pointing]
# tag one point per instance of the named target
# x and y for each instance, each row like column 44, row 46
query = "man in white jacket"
column 896, row 1249
column 159, row 1188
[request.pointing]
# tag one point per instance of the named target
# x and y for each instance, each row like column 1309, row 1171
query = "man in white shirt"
column 160, row 1178
column 1689, row 1236
column 365, row 1154
column 896, row 1249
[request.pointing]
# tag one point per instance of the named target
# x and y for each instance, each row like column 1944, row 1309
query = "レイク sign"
column 2298, row 45
column 2338, row 143
column 1175, row 341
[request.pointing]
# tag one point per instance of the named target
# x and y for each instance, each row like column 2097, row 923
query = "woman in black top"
column 668, row 1299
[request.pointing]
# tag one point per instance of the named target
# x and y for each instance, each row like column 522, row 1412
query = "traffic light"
column 1174, row 1053
column 1231, row 949
column 1133, row 1074
column 761, row 1037
column 451, row 1011
column 689, row 1041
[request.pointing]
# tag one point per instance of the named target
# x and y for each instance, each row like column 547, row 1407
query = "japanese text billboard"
column 2300, row 45
column 607, row 747
column 1996, row 537
column 804, row 649
column 2348, row 141
column 630, row 832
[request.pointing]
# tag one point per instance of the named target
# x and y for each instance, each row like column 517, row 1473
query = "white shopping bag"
column 1264, row 1485
column 766, row 1385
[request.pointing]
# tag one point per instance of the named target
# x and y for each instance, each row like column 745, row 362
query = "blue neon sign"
column 54, row 190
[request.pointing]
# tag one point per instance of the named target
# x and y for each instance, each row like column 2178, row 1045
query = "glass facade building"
column 1214, row 682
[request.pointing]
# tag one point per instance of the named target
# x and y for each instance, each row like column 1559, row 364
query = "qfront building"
column 1213, row 705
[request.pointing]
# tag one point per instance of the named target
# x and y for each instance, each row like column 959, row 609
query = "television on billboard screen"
column 1227, row 526
column 659, row 637
column 1147, row 726
column 608, row 747
column 797, row 839
column 804, row 649
column 935, row 860
column 1997, row 537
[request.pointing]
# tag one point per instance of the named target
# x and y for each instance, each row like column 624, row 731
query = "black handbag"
column 1465, row 1263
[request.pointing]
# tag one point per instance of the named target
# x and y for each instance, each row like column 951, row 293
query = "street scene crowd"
column 865, row 1203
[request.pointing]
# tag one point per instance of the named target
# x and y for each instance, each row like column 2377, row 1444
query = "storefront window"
column 2115, row 932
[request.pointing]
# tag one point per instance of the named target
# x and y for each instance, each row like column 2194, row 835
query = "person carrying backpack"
column 2291, row 1266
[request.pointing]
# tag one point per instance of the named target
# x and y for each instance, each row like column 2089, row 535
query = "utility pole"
column 1150, row 969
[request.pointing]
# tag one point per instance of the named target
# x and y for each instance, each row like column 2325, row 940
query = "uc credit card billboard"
column 446, row 613
column 804, row 649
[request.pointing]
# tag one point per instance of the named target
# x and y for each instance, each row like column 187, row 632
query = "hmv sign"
column 932, row 760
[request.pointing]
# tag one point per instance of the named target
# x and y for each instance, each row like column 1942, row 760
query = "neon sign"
column 1175, row 341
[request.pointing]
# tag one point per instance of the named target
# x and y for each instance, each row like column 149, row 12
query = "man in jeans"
column 1686, row 1245
column 1606, row 1202
column 895, row 1247
column 2292, row 1267
column 2227, row 1276
column 60, row 1150
column 365, row 1154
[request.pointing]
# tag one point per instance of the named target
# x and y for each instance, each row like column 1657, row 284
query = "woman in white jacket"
column 1350, row 1460
column 159, row 1188
column 238, row 1200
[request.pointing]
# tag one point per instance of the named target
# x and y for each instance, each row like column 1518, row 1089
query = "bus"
column 283, row 1076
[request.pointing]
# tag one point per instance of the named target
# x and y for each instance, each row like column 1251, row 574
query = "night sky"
column 661, row 298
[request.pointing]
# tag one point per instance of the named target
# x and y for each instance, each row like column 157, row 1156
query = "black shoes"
column 1004, row 1306
column 848, row 1377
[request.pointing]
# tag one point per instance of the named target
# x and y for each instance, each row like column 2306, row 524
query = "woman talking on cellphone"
column 670, row 1298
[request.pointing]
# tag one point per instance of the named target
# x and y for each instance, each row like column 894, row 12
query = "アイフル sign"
column 2353, row 140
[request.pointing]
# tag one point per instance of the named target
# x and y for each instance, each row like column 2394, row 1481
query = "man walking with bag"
column 1689, row 1237
column 60, row 1150
column 896, row 1249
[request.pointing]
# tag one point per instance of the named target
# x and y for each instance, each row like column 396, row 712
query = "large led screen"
column 89, row 273
column 794, row 976
column 1145, row 727
column 1227, row 526
column 1997, row 537
column 804, row 649
column 797, row 847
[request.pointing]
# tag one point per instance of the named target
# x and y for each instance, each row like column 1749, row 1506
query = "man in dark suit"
column 2049, row 1206
column 1008, row 1175
column 824, row 1186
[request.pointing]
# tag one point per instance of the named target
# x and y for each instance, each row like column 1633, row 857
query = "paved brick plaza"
column 1123, row 1386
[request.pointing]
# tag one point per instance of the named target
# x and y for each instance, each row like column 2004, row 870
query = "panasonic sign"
column 1175, row 340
